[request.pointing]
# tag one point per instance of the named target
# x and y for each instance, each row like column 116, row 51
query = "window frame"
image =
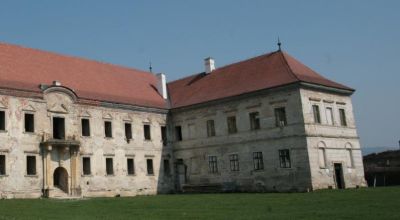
column 108, row 168
column 316, row 114
column 278, row 112
column 33, row 122
column 83, row 166
column 232, row 124
column 130, row 171
column 210, row 123
column 4, row 123
column 150, row 169
column 28, row 164
column 342, row 117
column 212, row 164
column 3, row 165
column 255, row 122
column 285, row 159
column 330, row 108
column 88, row 128
column 145, row 136
column 258, row 161
column 106, row 135
column 128, row 132
column 234, row 162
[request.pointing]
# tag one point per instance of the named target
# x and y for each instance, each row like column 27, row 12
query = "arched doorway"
column 60, row 178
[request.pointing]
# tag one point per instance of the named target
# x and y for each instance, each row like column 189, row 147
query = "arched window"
column 322, row 154
column 349, row 155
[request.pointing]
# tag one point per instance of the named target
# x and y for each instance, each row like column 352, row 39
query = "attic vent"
column 56, row 83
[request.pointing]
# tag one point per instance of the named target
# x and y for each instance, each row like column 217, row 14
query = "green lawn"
column 379, row 203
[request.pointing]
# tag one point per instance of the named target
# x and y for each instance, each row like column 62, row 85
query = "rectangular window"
column 147, row 133
column 231, row 120
column 167, row 168
column 212, row 164
column 86, row 165
column 178, row 133
column 58, row 128
column 254, row 120
column 2, row 165
column 317, row 117
column 108, row 129
column 128, row 131
column 284, row 158
column 258, row 161
column 280, row 117
column 29, row 122
column 109, row 166
column 164, row 135
column 210, row 128
column 2, row 121
column 131, row 166
column 85, row 127
column 329, row 116
column 234, row 162
column 150, row 170
column 31, row 165
column 321, row 157
column 342, row 114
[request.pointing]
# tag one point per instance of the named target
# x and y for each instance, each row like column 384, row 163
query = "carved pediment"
column 127, row 118
column 85, row 114
column 29, row 108
column 107, row 116
column 3, row 105
column 58, row 108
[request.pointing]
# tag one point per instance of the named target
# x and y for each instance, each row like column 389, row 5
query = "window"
column 350, row 161
column 147, row 134
column 150, row 170
column 231, row 120
column 329, row 116
column 258, row 161
column 254, row 120
column 86, row 165
column 58, row 128
column 2, row 165
column 210, row 128
column 29, row 122
column 164, row 135
column 128, row 131
column 322, row 157
column 2, row 121
column 234, row 162
column 317, row 117
column 31, row 165
column 167, row 168
column 109, row 166
column 280, row 117
column 284, row 158
column 342, row 114
column 85, row 127
column 212, row 164
column 178, row 133
column 131, row 166
column 108, row 129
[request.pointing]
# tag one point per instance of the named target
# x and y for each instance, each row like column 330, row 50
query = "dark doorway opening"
column 58, row 128
column 60, row 179
column 339, row 176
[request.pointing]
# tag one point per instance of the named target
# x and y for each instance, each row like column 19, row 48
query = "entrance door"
column 60, row 179
column 339, row 175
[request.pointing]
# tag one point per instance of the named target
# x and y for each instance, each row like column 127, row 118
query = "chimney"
column 209, row 64
column 56, row 83
column 162, row 85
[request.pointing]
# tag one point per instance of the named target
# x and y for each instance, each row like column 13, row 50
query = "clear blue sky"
column 353, row 42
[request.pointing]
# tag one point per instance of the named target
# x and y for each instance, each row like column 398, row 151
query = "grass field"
column 379, row 203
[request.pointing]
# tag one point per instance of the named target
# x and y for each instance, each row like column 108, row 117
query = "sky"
column 352, row 42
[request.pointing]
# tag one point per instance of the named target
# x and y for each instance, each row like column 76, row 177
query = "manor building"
column 81, row 128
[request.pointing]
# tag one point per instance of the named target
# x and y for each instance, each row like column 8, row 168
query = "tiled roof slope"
column 24, row 69
column 262, row 72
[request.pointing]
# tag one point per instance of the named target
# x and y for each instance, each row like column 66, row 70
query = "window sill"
column 86, row 136
column 33, row 176
column 110, row 175
column 29, row 133
column 149, row 174
column 131, row 175
column 108, row 138
column 86, row 175
column 3, row 131
column 3, row 175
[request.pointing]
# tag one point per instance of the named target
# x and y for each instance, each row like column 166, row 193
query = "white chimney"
column 56, row 83
column 209, row 64
column 162, row 85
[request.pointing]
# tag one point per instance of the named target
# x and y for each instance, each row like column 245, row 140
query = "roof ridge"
column 288, row 66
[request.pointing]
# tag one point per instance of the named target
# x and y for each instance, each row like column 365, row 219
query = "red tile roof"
column 262, row 72
column 24, row 69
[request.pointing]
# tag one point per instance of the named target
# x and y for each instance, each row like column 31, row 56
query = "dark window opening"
column 317, row 117
column 254, row 120
column 231, row 120
column 234, row 162
column 342, row 114
column 109, row 166
column 131, row 166
column 167, row 168
column 86, row 165
column 108, row 129
column 2, row 164
column 150, row 170
column 178, row 133
column 280, row 117
column 164, row 135
column 31, row 165
column 258, row 161
column 128, row 131
column 29, row 122
column 210, row 128
column 212, row 164
column 147, row 133
column 58, row 128
column 2, row 121
column 284, row 158
column 85, row 127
